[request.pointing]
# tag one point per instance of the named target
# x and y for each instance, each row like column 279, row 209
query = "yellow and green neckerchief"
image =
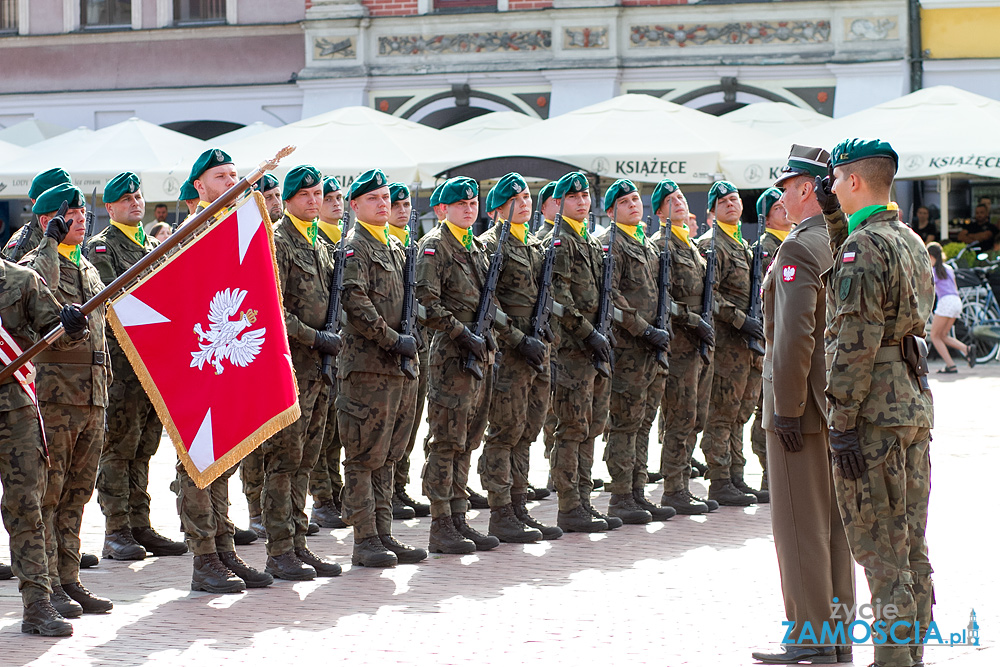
column 779, row 234
column 464, row 236
column 635, row 231
column 378, row 231
column 855, row 219
column 308, row 229
column 401, row 233
column 580, row 227
column 683, row 233
column 732, row 231
column 135, row 233
column 70, row 252
column 331, row 230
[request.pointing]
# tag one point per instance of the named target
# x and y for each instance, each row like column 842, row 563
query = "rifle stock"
column 663, row 301
column 605, row 307
column 333, row 305
column 755, row 309
column 708, row 296
column 408, row 323
column 486, row 311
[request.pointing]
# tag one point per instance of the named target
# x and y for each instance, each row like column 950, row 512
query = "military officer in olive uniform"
column 134, row 429
column 879, row 297
column 16, row 248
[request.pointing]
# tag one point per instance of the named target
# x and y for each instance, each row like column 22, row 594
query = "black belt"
column 87, row 357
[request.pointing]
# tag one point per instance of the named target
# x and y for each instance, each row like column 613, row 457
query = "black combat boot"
column 520, row 502
column 656, row 511
column 612, row 521
column 252, row 577
column 402, row 497
column 405, row 554
column 698, row 469
column 326, row 515
column 445, row 538
column 288, row 566
column 482, row 542
column 41, row 618
column 86, row 561
column 538, row 492
column 244, row 536
column 401, row 511
column 371, row 552
column 64, row 604
column 157, row 544
column 323, row 567
column 683, row 503
column 257, row 526
column 579, row 520
column 711, row 504
column 763, row 497
column 121, row 545
column 723, row 492
column 653, row 477
column 6, row 572
column 506, row 527
column 92, row 604
column 622, row 505
column 211, row 576
column 477, row 501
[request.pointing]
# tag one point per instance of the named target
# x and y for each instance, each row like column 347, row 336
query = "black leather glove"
column 73, row 320
column 824, row 194
column 599, row 345
column 658, row 338
column 533, row 351
column 752, row 327
column 57, row 228
column 789, row 432
column 327, row 342
column 705, row 331
column 405, row 346
column 847, row 456
column 472, row 343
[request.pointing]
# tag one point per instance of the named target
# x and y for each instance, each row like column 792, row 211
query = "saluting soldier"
column 879, row 297
column 305, row 271
column 72, row 388
column 16, row 249
column 521, row 379
column 28, row 309
column 637, row 342
column 399, row 219
column 733, row 359
column 451, row 273
column 133, row 428
column 375, row 401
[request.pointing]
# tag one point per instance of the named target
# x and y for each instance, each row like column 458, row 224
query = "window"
column 464, row 5
column 199, row 11
column 105, row 13
column 8, row 15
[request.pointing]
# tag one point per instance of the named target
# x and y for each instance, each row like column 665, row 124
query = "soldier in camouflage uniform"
column 550, row 209
column 305, row 272
column 16, row 248
column 27, row 307
column 879, row 297
column 451, row 273
column 134, row 429
column 399, row 219
column 376, row 397
column 521, row 380
column 72, row 388
column 637, row 343
column 733, row 359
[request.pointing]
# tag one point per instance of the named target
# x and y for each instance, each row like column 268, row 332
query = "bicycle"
column 978, row 324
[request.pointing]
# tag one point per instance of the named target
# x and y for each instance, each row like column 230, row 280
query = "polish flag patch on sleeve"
column 428, row 251
column 849, row 257
column 349, row 253
column 100, row 248
column 557, row 242
column 788, row 273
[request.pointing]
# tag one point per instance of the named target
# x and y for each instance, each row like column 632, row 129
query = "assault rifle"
column 541, row 316
column 333, row 306
column 90, row 219
column 663, row 301
column 486, row 311
column 755, row 309
column 708, row 297
column 408, row 324
column 605, row 307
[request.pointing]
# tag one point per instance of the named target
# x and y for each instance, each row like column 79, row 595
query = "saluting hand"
column 824, row 194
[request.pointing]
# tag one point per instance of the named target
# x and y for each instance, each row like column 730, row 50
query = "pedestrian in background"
column 949, row 307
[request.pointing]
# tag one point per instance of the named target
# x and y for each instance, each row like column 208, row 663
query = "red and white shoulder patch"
column 849, row 257
column 100, row 248
column 349, row 253
column 788, row 273
column 428, row 251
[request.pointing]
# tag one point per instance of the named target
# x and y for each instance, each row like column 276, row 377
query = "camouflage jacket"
column 373, row 304
column 687, row 289
column 733, row 262
column 305, row 273
column 634, row 284
column 576, row 284
column 879, row 290
column 517, row 288
column 35, row 230
column 770, row 243
column 27, row 311
column 73, row 381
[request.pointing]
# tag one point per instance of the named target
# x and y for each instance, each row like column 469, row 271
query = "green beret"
column 457, row 189
column 265, row 183
column 766, row 201
column 373, row 179
column 804, row 161
column 509, row 185
column 50, row 200
column 574, row 181
column 619, row 188
column 119, row 186
column 46, row 180
column 330, row 184
column 436, row 196
column 852, row 150
column 302, row 176
column 663, row 189
column 188, row 192
column 213, row 157
column 719, row 190
column 398, row 192
column 545, row 193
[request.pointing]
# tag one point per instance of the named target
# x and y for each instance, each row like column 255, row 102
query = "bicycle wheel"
column 974, row 313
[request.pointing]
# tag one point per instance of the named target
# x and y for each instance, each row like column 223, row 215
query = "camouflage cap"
column 663, row 189
column 122, row 184
column 398, row 192
column 852, row 150
column 508, row 186
column 302, row 176
column 767, row 200
column 46, row 180
column 619, row 188
column 373, row 179
column 50, row 200
column 188, row 192
column 330, row 184
column 804, row 161
column 574, row 181
column 213, row 157
column 719, row 190
column 265, row 183
column 458, row 189
column 545, row 193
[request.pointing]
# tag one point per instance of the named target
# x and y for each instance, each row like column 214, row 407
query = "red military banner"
column 205, row 332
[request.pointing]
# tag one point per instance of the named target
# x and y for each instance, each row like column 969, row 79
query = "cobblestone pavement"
column 690, row 591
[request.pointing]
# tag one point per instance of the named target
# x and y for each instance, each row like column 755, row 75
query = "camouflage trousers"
column 518, row 407
column 75, row 434
column 401, row 473
column 635, row 372
column 551, row 421
column 685, row 396
column 205, row 513
column 653, row 397
column 457, row 412
column 132, row 439
column 22, row 475
column 582, row 399
column 752, row 397
column 731, row 367
column 374, row 412
column 885, row 516
column 758, row 437
column 252, row 477
column 289, row 457
column 325, row 481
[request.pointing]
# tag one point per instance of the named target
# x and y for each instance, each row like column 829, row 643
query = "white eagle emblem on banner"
column 225, row 338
